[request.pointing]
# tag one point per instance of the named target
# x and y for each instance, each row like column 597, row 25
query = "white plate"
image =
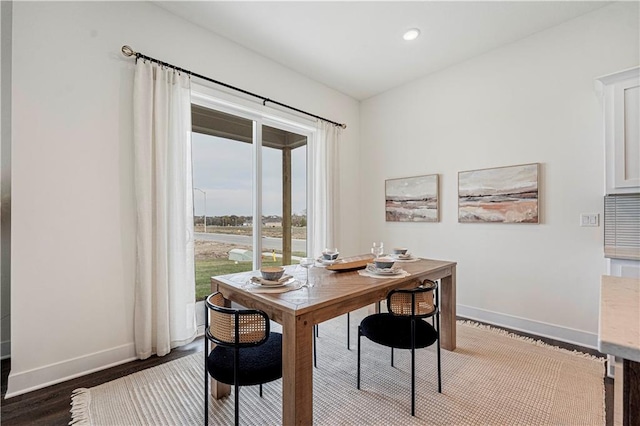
column 389, row 271
column 324, row 261
column 271, row 284
column 402, row 256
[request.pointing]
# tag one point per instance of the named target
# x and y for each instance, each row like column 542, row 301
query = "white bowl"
column 272, row 273
column 383, row 262
column 330, row 254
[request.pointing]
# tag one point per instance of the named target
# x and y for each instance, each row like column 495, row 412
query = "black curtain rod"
column 128, row 51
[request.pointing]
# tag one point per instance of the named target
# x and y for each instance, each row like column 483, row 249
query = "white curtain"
column 164, row 315
column 324, row 189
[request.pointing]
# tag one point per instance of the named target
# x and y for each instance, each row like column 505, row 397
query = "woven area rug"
column 492, row 378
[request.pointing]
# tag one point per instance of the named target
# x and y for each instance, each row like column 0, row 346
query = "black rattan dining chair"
column 404, row 327
column 246, row 352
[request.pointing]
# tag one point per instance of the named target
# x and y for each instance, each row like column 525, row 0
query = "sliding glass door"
column 250, row 193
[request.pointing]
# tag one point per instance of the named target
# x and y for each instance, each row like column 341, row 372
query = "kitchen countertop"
column 619, row 325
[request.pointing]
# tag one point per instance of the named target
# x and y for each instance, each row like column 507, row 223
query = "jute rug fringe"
column 536, row 342
column 80, row 401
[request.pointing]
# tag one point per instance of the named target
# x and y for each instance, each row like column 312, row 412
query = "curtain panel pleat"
column 324, row 193
column 164, row 315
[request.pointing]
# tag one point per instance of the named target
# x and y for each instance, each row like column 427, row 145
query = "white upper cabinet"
column 621, row 95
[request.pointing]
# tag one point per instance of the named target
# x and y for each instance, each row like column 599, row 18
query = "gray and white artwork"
column 499, row 195
column 412, row 199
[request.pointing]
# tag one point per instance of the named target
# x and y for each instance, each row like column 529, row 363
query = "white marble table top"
column 619, row 326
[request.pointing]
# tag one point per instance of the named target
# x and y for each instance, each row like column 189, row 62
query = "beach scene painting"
column 499, row 195
column 412, row 199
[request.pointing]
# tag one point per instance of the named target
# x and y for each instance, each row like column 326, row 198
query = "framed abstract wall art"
column 499, row 195
column 412, row 199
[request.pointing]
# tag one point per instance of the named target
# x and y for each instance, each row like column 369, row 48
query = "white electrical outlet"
column 589, row 219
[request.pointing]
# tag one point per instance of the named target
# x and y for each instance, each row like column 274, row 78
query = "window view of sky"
column 223, row 169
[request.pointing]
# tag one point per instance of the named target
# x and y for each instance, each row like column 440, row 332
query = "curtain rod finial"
column 127, row 51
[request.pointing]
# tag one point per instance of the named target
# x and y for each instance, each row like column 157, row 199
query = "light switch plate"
column 589, row 219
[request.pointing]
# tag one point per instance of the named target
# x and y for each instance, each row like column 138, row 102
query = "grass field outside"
column 205, row 269
column 212, row 258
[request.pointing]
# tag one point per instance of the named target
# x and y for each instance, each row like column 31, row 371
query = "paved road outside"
column 268, row 243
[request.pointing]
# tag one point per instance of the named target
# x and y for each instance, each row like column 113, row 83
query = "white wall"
column 73, row 229
column 530, row 101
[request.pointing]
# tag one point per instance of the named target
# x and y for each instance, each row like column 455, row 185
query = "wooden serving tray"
column 351, row 263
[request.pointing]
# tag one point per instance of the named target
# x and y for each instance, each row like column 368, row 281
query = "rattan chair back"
column 235, row 327
column 419, row 302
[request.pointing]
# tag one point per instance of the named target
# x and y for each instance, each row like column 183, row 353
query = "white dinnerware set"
column 329, row 256
column 383, row 264
column 272, row 276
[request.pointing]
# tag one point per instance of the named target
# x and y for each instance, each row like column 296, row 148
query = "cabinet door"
column 621, row 95
column 627, row 134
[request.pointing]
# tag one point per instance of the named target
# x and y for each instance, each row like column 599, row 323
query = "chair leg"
column 260, row 390
column 236, row 416
column 236, row 375
column 206, row 368
column 392, row 357
column 348, row 329
column 206, row 386
column 359, row 334
column 413, row 381
column 315, row 358
column 439, row 372
column 438, row 354
column 413, row 368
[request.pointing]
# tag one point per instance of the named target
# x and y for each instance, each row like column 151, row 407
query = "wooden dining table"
column 332, row 294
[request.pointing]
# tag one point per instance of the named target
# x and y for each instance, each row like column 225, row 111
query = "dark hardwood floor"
column 51, row 405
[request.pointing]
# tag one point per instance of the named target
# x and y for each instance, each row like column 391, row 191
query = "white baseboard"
column 542, row 329
column 26, row 381
column 5, row 349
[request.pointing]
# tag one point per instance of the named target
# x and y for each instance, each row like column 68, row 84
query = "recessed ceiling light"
column 412, row 34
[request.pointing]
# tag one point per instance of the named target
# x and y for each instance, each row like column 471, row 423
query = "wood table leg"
column 219, row 390
column 297, row 371
column 448, row 311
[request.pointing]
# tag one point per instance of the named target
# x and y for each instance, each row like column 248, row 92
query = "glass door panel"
column 284, row 196
column 223, row 195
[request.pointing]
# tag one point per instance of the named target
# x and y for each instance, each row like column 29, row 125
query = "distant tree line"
column 297, row 220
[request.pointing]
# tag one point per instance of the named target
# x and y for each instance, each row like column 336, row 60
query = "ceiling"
column 357, row 48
